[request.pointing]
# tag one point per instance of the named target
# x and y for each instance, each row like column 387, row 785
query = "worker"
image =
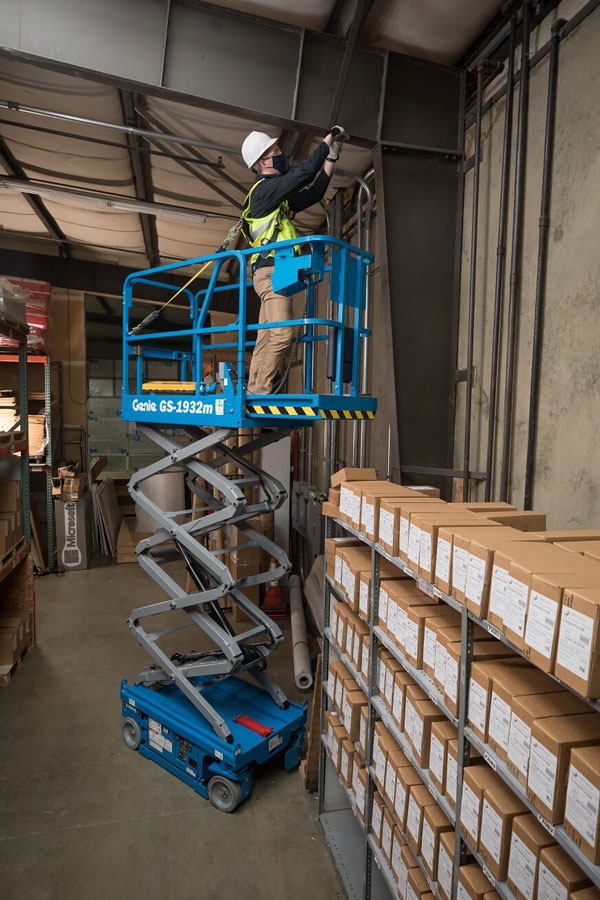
column 274, row 197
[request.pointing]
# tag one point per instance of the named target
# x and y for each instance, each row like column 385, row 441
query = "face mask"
column 281, row 163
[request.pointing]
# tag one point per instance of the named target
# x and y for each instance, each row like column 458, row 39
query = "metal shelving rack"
column 369, row 884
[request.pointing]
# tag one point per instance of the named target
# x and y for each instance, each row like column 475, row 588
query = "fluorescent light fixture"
column 108, row 201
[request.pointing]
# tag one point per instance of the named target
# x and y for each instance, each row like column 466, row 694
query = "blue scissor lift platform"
column 186, row 707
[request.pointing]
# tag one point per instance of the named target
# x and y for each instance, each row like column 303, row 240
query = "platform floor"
column 84, row 817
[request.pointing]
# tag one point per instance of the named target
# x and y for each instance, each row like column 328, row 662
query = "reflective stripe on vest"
column 276, row 226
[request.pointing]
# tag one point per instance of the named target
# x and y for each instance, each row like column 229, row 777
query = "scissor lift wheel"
column 131, row 733
column 224, row 794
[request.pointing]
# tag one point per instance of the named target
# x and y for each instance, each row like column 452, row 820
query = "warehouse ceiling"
column 209, row 190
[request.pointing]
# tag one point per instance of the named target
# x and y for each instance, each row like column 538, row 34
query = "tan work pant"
column 271, row 343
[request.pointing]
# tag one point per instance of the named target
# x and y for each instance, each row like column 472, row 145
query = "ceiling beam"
column 15, row 170
column 341, row 18
column 105, row 305
column 355, row 24
column 142, row 174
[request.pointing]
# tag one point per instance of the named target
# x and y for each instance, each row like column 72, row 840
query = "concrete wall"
column 567, row 476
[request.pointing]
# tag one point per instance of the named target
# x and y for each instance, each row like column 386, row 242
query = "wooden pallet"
column 7, row 672
column 11, row 558
column 11, row 437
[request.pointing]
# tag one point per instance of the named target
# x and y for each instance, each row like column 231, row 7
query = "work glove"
column 340, row 133
column 334, row 151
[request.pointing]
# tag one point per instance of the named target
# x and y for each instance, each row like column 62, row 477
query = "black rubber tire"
column 131, row 733
column 225, row 795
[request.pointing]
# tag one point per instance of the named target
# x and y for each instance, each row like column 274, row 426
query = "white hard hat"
column 255, row 145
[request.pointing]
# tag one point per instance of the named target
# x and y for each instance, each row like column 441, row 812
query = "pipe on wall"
column 542, row 261
column 484, row 68
column 500, row 257
column 516, row 254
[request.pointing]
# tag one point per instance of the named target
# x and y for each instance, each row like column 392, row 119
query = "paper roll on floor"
column 302, row 670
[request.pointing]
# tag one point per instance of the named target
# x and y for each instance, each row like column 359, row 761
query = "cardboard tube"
column 302, row 670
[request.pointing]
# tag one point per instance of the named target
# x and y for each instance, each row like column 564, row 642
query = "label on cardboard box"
column 333, row 620
column 356, row 647
column 460, row 560
column 542, row 772
column 549, row 887
column 386, row 837
column 442, row 560
column 413, row 819
column 339, row 687
column 363, row 601
column 409, row 715
column 521, row 866
column 401, row 620
column 364, row 662
column 390, row 782
column 392, row 611
column 410, row 894
column 396, row 857
column 519, row 740
column 338, row 569
column 498, row 591
column 427, row 843
column 349, row 640
column 362, row 739
column 400, row 801
column 344, row 763
column 389, row 687
column 574, row 641
column 331, row 687
column 360, row 795
column 583, row 802
column 444, row 872
column 367, row 516
column 451, row 777
column 412, row 638
column 425, row 551
column 541, row 623
column 516, row 605
column 403, row 539
column 477, row 705
column 499, row 724
column 414, row 544
column 491, row 831
column 469, row 811
column 376, row 818
column 386, row 527
column 436, row 759
column 346, row 498
column 429, row 642
column 383, row 605
column 417, row 735
column 475, row 579
column 440, row 663
column 346, row 713
column 451, row 677
column 461, row 892
column 397, row 705
column 380, row 765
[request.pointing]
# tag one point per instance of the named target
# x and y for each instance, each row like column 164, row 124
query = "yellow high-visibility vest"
column 276, row 226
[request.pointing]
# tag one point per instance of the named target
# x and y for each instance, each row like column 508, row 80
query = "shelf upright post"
column 373, row 617
column 24, row 427
column 49, row 502
column 466, row 657
column 324, row 671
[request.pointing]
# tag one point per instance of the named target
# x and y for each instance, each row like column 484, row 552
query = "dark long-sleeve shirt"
column 295, row 187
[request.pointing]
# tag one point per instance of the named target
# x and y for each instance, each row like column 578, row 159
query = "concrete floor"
column 85, row 817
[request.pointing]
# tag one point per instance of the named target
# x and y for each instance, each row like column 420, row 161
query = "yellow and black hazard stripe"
column 268, row 410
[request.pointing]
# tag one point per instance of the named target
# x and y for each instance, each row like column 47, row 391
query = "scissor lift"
column 210, row 411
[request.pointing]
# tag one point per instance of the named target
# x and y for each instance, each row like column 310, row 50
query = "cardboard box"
column 442, row 732
column 387, row 831
column 73, row 532
column 377, row 817
column 537, row 558
column 362, row 732
column 558, row 873
column 520, row 577
column 389, row 519
column 584, row 548
column 388, row 572
column 435, row 823
column 479, row 565
column 483, row 506
column 543, row 614
column 429, row 524
column 347, row 754
column 360, row 789
column 416, row 618
column 425, row 714
column 10, row 643
column 396, row 759
column 472, row 883
column 361, row 632
column 444, row 637
column 350, row 501
column 402, row 595
column 354, row 561
column 407, row 509
column 419, row 800
column 578, row 649
column 475, row 781
column 588, row 893
column 582, row 807
column 398, row 843
column 407, row 863
column 352, row 474
column 406, row 778
column 332, row 721
column 582, row 534
column 10, row 496
column 416, row 885
column 371, row 497
column 510, row 682
column 552, row 740
column 446, row 854
column 523, row 519
column 331, row 510
column 333, row 549
column 338, row 736
column 447, row 618
column 482, row 650
column 480, row 692
column 525, row 711
column 528, row 839
column 382, row 741
column 451, row 787
column 334, row 496
column 352, row 703
column 401, row 681
column 413, row 693
column 500, row 808
column 392, row 669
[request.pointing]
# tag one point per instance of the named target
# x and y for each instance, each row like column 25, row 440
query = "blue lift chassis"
column 165, row 727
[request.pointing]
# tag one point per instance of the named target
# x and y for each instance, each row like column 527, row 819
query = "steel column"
column 542, row 263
